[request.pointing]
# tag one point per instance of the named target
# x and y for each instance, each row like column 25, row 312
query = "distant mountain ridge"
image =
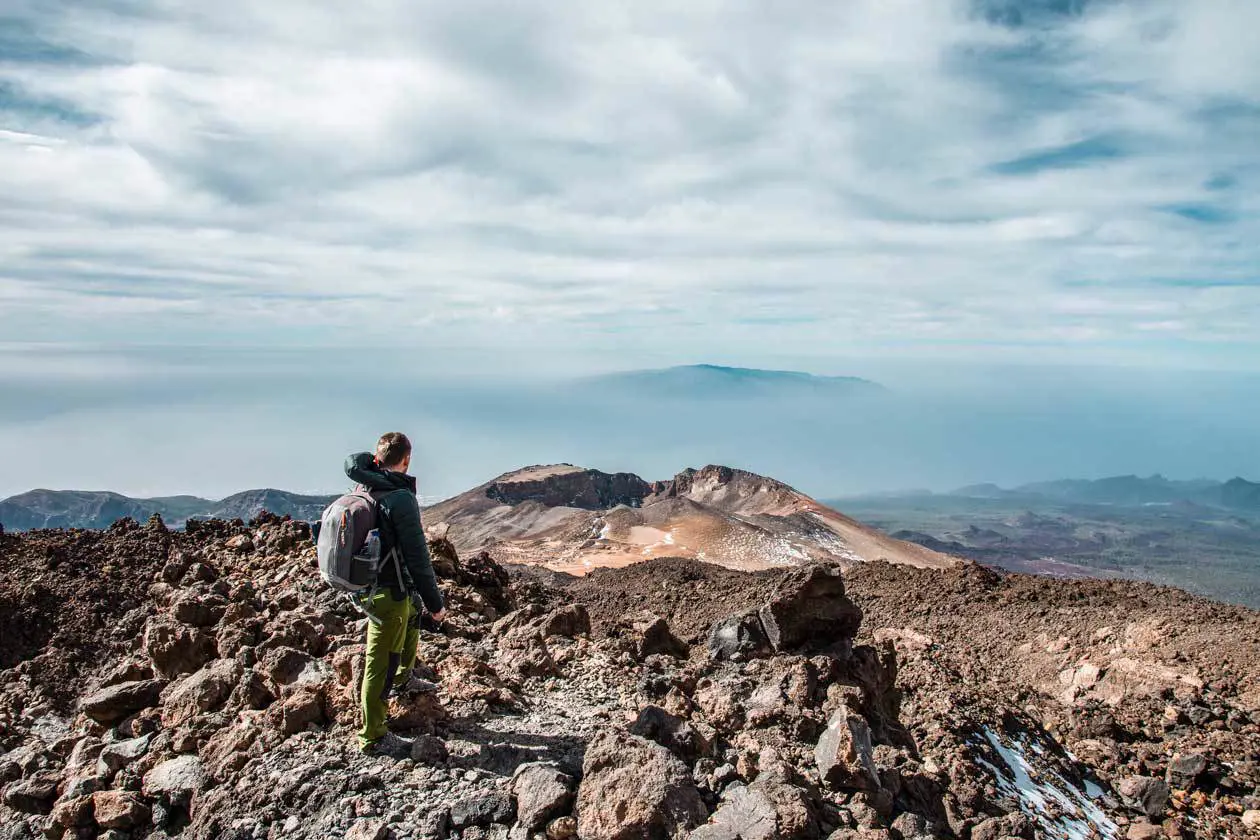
column 100, row 509
column 720, row 382
column 1128, row 490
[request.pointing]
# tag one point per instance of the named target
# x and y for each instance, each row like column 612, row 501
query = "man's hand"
column 440, row 616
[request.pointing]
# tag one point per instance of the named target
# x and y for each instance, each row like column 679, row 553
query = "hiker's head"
column 393, row 452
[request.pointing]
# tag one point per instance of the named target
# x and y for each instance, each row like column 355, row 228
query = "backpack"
column 348, row 547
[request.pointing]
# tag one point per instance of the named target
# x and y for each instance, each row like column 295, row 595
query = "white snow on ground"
column 1065, row 811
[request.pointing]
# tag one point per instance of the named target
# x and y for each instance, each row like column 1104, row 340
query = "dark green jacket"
column 395, row 493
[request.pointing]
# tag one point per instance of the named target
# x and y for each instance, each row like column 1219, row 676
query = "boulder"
column 809, row 607
column 285, row 665
column 114, row 757
column 115, row 702
column 796, row 815
column 416, row 710
column 1006, row 827
column 175, row 779
column 481, row 810
column 428, row 749
column 670, row 731
column 1144, row 794
column 367, row 830
column 633, row 789
column 571, row 620
column 737, row 635
column 32, row 796
column 650, row 634
column 72, row 812
column 120, row 809
column 525, row 653
column 198, row 609
column 910, row 826
column 202, row 692
column 1185, row 769
column 542, row 793
column 175, row 648
column 742, row 815
column 298, row 710
column 843, row 753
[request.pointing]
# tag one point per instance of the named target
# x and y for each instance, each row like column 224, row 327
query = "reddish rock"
column 202, row 692
column 119, row 809
column 175, row 648
column 632, row 788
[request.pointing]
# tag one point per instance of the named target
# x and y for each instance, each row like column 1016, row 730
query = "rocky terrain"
column 573, row 519
column 201, row 684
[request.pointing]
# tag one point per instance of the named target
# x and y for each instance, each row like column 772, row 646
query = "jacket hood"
column 361, row 468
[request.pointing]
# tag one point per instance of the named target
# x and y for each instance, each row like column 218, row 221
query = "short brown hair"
column 392, row 448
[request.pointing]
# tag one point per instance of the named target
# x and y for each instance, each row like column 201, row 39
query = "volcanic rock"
column 204, row 691
column 633, row 789
column 175, row 648
column 670, row 731
column 843, row 753
column 119, row 809
column 542, row 792
column 114, row 757
column 32, row 796
column 742, row 815
column 481, row 810
column 1144, row 794
column 116, row 702
column 737, row 635
column 810, row 607
column 175, row 779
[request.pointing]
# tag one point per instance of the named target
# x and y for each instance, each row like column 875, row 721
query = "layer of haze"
column 211, row 424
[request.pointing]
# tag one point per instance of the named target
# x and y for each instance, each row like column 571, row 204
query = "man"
column 391, row 644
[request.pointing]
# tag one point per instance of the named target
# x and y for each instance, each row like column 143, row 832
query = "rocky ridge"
column 202, row 684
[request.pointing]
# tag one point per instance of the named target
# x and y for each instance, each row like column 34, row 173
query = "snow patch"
column 1065, row 811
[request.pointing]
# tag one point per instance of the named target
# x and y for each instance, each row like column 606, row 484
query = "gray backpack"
column 349, row 546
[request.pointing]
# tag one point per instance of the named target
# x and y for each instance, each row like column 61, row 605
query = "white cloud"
column 526, row 172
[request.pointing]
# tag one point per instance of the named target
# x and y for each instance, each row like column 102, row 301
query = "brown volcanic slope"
column 573, row 519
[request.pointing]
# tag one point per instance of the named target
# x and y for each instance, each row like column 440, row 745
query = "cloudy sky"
column 620, row 184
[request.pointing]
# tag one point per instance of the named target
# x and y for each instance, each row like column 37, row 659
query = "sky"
column 235, row 193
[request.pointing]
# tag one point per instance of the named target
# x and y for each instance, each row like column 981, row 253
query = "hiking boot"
column 415, row 684
column 389, row 745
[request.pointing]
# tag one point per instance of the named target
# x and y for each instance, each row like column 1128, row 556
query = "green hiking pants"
column 391, row 652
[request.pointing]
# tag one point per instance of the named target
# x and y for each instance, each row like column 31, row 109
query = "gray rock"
column 32, row 796
column 1144, row 794
column 542, row 792
column 428, row 749
column 1001, row 828
column 118, row 755
column 910, row 825
column 113, row 703
column 670, row 731
column 737, row 635
column 742, row 815
column 1185, row 769
column 843, row 753
column 481, row 810
column 175, row 779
